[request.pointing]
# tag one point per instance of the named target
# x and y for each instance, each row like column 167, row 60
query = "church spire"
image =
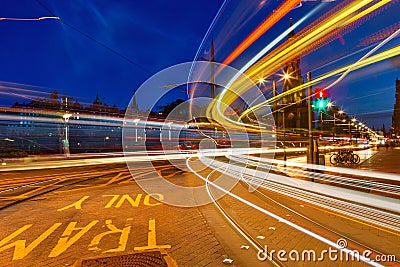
column 134, row 104
column 292, row 33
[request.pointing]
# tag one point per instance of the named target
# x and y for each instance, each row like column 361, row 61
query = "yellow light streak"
column 373, row 59
column 327, row 27
column 293, row 50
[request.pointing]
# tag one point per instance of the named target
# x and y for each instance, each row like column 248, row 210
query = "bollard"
column 321, row 160
column 316, row 152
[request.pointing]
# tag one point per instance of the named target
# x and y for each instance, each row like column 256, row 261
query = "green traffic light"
column 321, row 104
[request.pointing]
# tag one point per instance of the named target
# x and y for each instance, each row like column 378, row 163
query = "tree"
column 383, row 130
column 76, row 106
column 164, row 110
column 54, row 95
column 53, row 101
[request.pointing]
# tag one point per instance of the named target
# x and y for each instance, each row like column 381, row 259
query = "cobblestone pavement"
column 386, row 160
column 59, row 228
column 277, row 235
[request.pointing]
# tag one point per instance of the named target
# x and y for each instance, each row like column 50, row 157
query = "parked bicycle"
column 345, row 157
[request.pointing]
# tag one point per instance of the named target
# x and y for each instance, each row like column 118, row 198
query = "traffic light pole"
column 284, row 137
column 350, row 133
column 321, row 122
column 310, row 158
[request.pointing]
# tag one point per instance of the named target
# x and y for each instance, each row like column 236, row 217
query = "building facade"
column 293, row 106
column 395, row 130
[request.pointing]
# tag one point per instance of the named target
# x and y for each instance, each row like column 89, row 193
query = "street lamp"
column 136, row 121
column 106, row 138
column 262, row 80
column 286, row 76
column 340, row 112
column 169, row 130
column 352, row 121
column 66, row 117
column 310, row 151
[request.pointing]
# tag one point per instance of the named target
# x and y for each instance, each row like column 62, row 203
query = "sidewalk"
column 375, row 159
column 385, row 160
column 365, row 155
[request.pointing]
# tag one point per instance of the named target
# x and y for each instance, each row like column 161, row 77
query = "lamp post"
column 261, row 81
column 285, row 76
column 66, row 117
column 284, row 137
column 310, row 158
column 105, row 139
column 136, row 121
column 362, row 132
column 340, row 112
column 169, row 130
column 353, row 120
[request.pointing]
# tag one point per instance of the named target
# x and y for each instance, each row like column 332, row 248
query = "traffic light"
column 321, row 103
column 321, row 93
column 321, row 100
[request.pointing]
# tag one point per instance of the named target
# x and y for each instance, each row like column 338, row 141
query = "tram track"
column 363, row 185
column 308, row 221
column 62, row 181
column 236, row 225
column 328, row 229
column 382, row 218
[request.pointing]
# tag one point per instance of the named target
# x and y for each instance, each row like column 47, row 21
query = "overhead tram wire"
column 224, row 22
column 139, row 66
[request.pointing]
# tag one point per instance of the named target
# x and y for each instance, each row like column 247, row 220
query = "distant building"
column 395, row 130
column 28, row 129
column 39, row 126
column 294, row 104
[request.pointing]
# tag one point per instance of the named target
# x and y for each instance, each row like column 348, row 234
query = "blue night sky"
column 151, row 35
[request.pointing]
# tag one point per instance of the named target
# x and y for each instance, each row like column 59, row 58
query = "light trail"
column 174, row 154
column 276, row 15
column 382, row 34
column 342, row 18
column 393, row 35
column 252, row 61
column 203, row 41
column 315, row 35
column 82, row 118
column 283, row 220
column 4, row 89
column 348, row 171
column 28, row 184
column 235, row 225
column 382, row 187
column 379, row 202
column 360, row 64
column 385, row 220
